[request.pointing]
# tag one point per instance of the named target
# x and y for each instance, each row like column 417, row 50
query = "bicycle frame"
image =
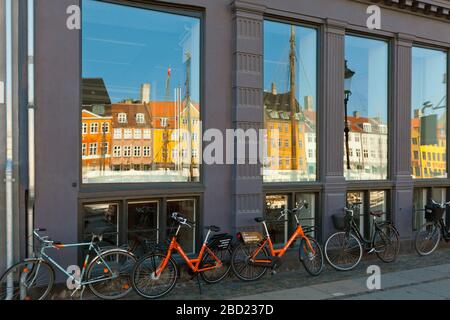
column 194, row 264
column 79, row 282
column 368, row 243
column 279, row 252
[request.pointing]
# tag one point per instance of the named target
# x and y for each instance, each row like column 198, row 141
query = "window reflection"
column 367, row 110
column 278, row 229
column 186, row 237
column 143, row 224
column 141, row 94
column 290, row 73
column 102, row 219
column 358, row 211
column 428, row 119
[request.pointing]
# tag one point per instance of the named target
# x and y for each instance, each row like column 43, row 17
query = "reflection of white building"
column 368, row 143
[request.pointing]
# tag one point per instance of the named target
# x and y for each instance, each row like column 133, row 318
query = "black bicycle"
column 429, row 235
column 344, row 249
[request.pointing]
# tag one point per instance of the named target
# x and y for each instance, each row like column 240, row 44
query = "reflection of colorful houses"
column 141, row 135
column 154, row 135
column 428, row 145
column 278, row 123
column 368, row 140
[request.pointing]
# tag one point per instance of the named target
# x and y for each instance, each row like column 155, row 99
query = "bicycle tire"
column 426, row 231
column 26, row 267
column 150, row 261
column 122, row 284
column 394, row 239
column 313, row 268
column 210, row 276
column 342, row 241
column 247, row 250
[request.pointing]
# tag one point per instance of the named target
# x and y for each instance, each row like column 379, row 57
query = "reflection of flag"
column 169, row 72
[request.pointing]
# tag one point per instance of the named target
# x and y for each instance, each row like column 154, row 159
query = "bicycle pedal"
column 372, row 250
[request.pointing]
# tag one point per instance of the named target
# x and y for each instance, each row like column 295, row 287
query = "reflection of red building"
column 145, row 134
column 136, row 143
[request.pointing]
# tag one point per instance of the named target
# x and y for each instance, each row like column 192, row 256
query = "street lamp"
column 347, row 89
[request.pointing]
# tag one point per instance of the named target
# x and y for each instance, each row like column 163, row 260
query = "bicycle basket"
column 434, row 213
column 340, row 221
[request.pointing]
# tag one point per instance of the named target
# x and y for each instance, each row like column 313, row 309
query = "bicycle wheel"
column 312, row 261
column 27, row 280
column 241, row 265
column 147, row 283
column 343, row 251
column 386, row 242
column 427, row 238
column 109, row 274
column 217, row 274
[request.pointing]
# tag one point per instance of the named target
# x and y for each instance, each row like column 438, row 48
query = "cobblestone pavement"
column 233, row 288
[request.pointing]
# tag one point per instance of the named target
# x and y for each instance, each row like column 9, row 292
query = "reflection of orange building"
column 278, row 123
column 428, row 158
column 96, row 141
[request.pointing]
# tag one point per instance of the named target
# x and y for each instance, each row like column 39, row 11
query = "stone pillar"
column 247, row 193
column 331, row 124
column 400, row 135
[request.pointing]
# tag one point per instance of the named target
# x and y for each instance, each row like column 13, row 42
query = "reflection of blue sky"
column 368, row 58
column 276, row 59
column 429, row 70
column 129, row 46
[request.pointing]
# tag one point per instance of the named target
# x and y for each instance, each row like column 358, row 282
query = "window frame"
column 435, row 182
column 291, row 185
column 91, row 189
column 389, row 40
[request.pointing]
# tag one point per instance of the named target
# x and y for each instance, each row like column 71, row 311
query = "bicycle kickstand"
column 199, row 284
column 82, row 292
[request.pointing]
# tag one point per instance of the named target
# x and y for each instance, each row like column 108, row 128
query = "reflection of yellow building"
column 428, row 160
column 278, row 124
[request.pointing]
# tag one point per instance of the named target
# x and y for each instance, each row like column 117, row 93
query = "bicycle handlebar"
column 182, row 220
column 284, row 212
column 42, row 239
column 442, row 205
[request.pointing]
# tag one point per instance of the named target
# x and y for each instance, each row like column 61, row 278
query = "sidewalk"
column 429, row 283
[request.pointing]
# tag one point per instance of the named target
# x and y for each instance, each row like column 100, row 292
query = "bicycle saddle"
column 376, row 213
column 259, row 219
column 213, row 228
column 99, row 231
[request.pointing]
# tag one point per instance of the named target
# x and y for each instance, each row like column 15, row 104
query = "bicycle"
column 251, row 260
column 344, row 249
column 156, row 274
column 429, row 235
column 107, row 274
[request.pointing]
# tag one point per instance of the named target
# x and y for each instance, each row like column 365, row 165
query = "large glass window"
column 290, row 83
column 429, row 116
column 367, row 108
column 141, row 76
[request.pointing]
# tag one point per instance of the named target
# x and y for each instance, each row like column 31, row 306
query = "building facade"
column 103, row 123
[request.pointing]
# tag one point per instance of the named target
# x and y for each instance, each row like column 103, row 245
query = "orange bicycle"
column 251, row 260
column 156, row 274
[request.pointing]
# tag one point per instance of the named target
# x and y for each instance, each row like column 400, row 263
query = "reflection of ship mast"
column 166, row 129
column 292, row 59
column 188, row 107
